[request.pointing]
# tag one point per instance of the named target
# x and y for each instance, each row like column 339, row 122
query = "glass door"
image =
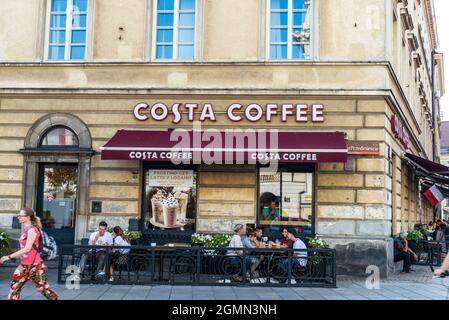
column 56, row 205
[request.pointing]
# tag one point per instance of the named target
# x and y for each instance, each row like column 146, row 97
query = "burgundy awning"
column 427, row 165
column 223, row 146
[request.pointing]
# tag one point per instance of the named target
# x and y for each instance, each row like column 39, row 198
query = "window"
column 67, row 30
column 286, row 200
column 59, row 137
column 170, row 199
column 175, row 29
column 289, row 29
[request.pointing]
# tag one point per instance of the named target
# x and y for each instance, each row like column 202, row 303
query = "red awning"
column 427, row 165
column 226, row 146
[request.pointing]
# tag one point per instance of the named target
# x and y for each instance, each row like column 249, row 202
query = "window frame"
column 293, row 168
column 314, row 7
column 68, row 31
column 166, row 166
column 175, row 27
column 58, row 147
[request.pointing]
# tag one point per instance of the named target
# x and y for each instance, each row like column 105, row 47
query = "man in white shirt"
column 299, row 256
column 98, row 238
column 234, row 261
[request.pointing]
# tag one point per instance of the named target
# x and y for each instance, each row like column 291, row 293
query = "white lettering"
column 317, row 113
column 163, row 115
column 137, row 109
column 259, row 112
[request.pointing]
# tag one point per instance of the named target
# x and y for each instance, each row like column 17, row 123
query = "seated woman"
column 284, row 242
column 252, row 262
column 119, row 255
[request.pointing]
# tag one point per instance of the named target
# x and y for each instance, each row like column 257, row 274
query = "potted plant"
column 211, row 258
column 414, row 238
column 4, row 242
column 317, row 263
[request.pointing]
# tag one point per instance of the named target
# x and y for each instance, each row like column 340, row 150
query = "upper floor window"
column 67, row 30
column 290, row 29
column 175, row 29
column 59, row 137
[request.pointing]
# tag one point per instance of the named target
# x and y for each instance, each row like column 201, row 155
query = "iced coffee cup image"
column 157, row 207
column 183, row 201
column 170, row 211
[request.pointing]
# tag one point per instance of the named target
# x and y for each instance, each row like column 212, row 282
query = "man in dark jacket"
column 403, row 252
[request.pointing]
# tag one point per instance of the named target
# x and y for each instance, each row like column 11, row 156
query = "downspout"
column 437, row 208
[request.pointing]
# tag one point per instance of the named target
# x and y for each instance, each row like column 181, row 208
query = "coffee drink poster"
column 171, row 199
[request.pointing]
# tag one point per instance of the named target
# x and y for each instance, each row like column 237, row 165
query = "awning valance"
column 226, row 146
column 427, row 165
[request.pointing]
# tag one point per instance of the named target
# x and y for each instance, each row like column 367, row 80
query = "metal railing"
column 145, row 265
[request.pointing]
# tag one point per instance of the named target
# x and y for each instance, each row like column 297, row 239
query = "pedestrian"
column 31, row 264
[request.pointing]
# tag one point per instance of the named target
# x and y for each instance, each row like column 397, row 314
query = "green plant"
column 317, row 243
column 415, row 236
column 129, row 235
column 211, row 240
column 4, row 240
column 132, row 235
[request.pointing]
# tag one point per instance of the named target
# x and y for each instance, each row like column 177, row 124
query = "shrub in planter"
column 414, row 238
column 4, row 242
column 318, row 264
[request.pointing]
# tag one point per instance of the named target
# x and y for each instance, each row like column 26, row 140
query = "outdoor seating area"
column 185, row 264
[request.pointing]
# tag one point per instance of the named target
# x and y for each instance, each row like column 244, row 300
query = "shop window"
column 170, row 199
column 59, row 137
column 67, row 30
column 175, row 30
column 289, row 32
column 286, row 201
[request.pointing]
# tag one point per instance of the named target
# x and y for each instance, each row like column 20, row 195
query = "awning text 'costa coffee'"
column 235, row 112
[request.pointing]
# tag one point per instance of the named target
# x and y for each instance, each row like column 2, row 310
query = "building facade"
column 79, row 78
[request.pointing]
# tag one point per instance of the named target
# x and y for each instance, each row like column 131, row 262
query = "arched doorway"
column 58, row 151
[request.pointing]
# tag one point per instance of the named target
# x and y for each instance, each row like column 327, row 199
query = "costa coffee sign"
column 235, row 112
column 399, row 130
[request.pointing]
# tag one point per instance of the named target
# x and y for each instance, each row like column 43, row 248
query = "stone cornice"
column 431, row 22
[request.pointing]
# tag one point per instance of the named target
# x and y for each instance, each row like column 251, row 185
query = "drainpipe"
column 437, row 209
column 434, row 116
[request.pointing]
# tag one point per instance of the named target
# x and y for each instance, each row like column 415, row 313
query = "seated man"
column 236, row 242
column 98, row 238
column 299, row 258
column 259, row 235
column 403, row 252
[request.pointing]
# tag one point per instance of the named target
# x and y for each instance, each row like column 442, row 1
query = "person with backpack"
column 31, row 263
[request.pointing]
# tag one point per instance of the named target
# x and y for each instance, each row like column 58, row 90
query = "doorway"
column 56, row 200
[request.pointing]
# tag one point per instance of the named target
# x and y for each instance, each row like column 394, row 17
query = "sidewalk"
column 414, row 286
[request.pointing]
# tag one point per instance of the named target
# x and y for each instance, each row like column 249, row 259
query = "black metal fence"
column 146, row 265
column 430, row 253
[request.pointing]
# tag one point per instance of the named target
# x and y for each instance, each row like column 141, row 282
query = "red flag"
column 434, row 195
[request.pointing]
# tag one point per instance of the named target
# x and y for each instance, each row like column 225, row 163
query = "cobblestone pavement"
column 414, row 286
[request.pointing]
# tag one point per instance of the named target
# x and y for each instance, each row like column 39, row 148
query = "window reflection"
column 285, row 200
column 59, row 137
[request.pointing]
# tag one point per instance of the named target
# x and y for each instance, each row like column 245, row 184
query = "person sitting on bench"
column 98, row 238
column 403, row 252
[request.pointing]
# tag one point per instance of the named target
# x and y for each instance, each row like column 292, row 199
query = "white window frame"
column 175, row 34
column 313, row 36
column 68, row 33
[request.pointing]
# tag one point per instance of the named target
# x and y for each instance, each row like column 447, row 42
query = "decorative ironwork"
column 201, row 266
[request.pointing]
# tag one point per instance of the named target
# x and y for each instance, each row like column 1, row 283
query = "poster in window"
column 171, row 198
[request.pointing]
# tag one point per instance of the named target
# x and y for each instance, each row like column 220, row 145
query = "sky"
column 442, row 13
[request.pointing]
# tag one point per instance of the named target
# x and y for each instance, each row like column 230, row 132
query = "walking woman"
column 31, row 264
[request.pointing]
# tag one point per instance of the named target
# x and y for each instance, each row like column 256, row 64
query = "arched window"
column 59, row 137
